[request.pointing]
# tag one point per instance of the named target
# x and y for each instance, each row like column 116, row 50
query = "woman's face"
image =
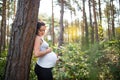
column 42, row 30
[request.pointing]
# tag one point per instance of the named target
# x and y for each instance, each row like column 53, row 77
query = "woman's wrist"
column 46, row 52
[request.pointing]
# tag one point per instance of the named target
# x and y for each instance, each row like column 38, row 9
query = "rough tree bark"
column 53, row 33
column 61, row 24
column 86, row 25
column 91, row 25
column 22, row 39
column 95, row 21
column 3, row 27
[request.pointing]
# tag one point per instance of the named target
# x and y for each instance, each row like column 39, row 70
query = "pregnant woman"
column 46, row 57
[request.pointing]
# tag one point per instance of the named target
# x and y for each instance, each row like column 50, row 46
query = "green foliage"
column 114, row 65
column 108, row 9
column 117, row 33
column 103, row 60
column 72, row 64
column 100, row 32
column 32, row 73
column 100, row 62
column 114, row 43
column 2, row 64
column 93, row 55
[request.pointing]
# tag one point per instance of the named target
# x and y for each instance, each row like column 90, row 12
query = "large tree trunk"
column 119, row 13
column 92, row 28
column 53, row 34
column 14, row 7
column 100, row 15
column 109, row 34
column 86, row 25
column 8, row 23
column 95, row 22
column 113, row 19
column 61, row 24
column 82, row 33
column 22, row 39
column 3, row 27
column 0, row 41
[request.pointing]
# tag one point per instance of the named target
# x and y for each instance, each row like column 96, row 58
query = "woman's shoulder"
column 38, row 37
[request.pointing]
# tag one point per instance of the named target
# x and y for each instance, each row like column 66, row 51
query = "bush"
column 2, row 64
column 72, row 64
column 32, row 73
column 104, row 62
column 100, row 62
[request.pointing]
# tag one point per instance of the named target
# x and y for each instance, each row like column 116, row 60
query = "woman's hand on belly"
column 48, row 50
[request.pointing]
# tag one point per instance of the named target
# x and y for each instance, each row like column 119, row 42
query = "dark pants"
column 43, row 73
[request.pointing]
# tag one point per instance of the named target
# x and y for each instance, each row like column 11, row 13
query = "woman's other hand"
column 48, row 50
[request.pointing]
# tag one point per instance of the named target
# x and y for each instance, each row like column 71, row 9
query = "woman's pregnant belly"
column 49, row 60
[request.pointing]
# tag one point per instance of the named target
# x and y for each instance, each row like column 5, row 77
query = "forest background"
column 84, row 33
